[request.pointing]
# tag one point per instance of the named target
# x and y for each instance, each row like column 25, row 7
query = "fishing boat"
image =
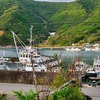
column 96, row 64
column 94, row 71
column 29, row 55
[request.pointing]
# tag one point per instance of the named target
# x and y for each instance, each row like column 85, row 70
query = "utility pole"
column 32, row 62
column 34, row 77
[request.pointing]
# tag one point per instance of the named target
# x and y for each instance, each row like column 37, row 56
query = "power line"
column 50, row 23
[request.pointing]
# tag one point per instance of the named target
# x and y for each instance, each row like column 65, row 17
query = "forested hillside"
column 79, row 23
column 74, row 22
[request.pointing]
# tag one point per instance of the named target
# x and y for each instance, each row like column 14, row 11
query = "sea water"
column 86, row 56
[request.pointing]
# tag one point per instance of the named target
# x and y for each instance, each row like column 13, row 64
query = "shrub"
column 3, row 96
column 68, row 93
column 25, row 95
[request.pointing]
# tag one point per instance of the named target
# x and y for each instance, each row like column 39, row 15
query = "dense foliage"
column 80, row 23
column 74, row 22
column 68, row 93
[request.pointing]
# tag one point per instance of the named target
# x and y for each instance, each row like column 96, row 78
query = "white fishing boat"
column 95, row 69
column 29, row 55
column 96, row 64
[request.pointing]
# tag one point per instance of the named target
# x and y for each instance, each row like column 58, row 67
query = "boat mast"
column 30, row 40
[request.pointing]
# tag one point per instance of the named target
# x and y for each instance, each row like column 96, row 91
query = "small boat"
column 37, row 67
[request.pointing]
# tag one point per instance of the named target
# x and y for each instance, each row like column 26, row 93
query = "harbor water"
column 86, row 56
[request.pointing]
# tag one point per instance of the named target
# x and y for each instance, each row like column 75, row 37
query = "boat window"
column 26, row 56
column 77, row 65
column 35, row 65
column 28, row 66
column 23, row 55
column 36, row 56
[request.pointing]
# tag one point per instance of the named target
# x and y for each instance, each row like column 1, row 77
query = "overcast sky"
column 56, row 0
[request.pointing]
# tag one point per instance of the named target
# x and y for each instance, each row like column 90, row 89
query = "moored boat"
column 29, row 55
column 96, row 64
column 95, row 70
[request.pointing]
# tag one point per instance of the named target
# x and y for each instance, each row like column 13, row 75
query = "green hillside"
column 80, row 24
column 74, row 22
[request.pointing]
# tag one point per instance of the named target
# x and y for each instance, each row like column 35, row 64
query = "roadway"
column 93, row 92
column 8, row 88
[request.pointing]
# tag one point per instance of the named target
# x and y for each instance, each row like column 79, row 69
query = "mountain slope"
column 75, row 22
column 82, row 24
column 19, row 15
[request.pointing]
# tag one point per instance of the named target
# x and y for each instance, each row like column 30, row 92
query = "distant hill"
column 76, row 22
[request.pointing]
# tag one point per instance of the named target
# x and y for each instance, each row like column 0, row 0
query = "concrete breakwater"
column 25, row 77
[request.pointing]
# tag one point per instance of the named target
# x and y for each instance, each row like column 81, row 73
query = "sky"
column 56, row 0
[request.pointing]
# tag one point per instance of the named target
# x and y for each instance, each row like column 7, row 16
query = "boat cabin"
column 96, row 64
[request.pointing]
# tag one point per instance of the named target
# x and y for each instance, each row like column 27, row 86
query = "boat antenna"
column 30, row 29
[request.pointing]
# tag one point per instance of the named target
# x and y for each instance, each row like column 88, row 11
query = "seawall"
column 25, row 77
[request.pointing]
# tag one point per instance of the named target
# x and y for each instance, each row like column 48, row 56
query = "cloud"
column 56, row 0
